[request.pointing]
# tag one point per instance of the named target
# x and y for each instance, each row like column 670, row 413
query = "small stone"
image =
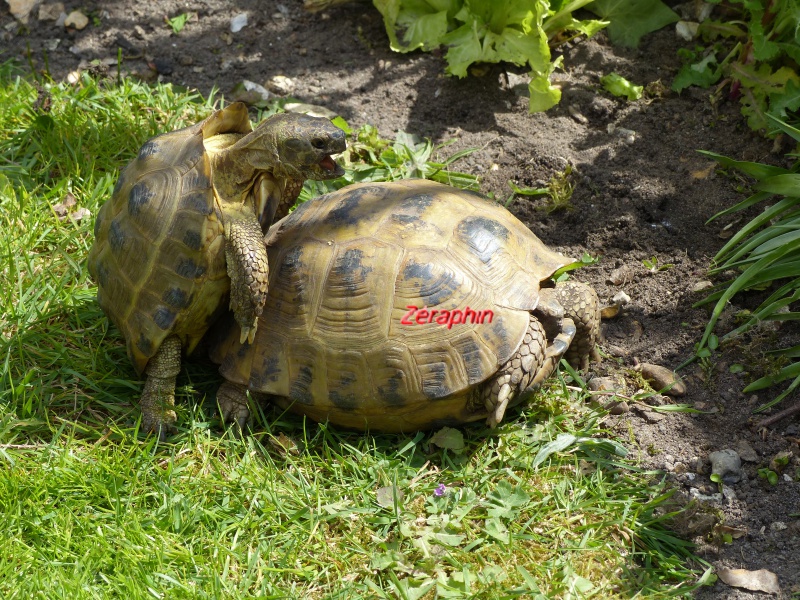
column 727, row 465
column 576, row 114
column 686, row 30
column 619, row 275
column 621, row 298
column 656, row 400
column 281, row 85
column 701, row 285
column 617, row 407
column 139, row 32
column 662, row 379
column 51, row 12
column 21, row 9
column 52, row 44
column 679, row 468
column 728, row 494
column 616, row 351
column 76, row 20
column 746, row 451
column 628, row 135
column 792, row 430
column 238, row 22
column 778, row 526
column 312, row 110
column 606, row 384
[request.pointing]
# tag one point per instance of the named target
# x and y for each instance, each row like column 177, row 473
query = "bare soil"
column 640, row 194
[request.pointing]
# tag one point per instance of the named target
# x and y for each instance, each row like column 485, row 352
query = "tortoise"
column 184, row 228
column 406, row 306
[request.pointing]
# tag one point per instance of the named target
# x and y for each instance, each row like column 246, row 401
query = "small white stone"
column 21, row 9
column 51, row 12
column 686, row 30
column 76, row 19
column 238, row 22
column 621, row 298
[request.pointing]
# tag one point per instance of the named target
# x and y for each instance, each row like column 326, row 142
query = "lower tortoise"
column 405, row 306
column 183, row 231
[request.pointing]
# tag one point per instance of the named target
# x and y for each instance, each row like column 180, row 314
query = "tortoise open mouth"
column 329, row 166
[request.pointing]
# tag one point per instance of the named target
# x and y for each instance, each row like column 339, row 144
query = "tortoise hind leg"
column 158, row 396
column 534, row 362
column 580, row 304
column 233, row 405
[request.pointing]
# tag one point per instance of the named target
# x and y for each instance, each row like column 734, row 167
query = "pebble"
column 746, row 451
column 619, row 275
column 576, row 114
column 238, row 22
column 618, row 407
column 76, row 20
column 701, row 285
column 606, row 384
column 727, row 464
column 21, row 9
column 695, row 494
column 621, row 298
column 656, row 400
column 51, row 12
column 662, row 378
column 281, row 85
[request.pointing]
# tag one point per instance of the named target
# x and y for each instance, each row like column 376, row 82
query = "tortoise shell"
column 339, row 339
column 158, row 256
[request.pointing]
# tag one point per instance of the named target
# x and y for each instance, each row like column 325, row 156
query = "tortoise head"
column 298, row 145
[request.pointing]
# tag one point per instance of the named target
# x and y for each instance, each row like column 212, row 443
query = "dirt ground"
column 641, row 191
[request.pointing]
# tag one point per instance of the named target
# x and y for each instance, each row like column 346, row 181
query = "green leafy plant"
column 630, row 20
column 651, row 264
column 520, row 32
column 178, row 22
column 768, row 474
column 753, row 54
column 765, row 251
column 619, row 86
column 370, row 157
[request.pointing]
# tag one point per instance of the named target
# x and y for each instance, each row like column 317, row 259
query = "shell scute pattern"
column 349, row 267
column 151, row 257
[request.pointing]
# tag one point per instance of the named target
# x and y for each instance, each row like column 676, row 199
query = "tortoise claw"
column 248, row 333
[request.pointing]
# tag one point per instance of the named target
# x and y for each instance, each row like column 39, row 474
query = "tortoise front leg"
column 246, row 257
column 533, row 363
column 233, row 404
column 580, row 304
column 158, row 396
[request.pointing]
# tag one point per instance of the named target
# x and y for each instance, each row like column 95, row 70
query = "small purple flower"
column 440, row 490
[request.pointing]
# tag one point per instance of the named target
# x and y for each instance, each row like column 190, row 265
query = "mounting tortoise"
column 405, row 306
column 184, row 228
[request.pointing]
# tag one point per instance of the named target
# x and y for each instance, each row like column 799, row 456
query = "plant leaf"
column 631, row 19
column 619, row 86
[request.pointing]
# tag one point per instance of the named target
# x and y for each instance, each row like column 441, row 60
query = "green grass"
column 545, row 506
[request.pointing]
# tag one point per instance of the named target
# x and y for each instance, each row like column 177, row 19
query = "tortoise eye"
column 318, row 143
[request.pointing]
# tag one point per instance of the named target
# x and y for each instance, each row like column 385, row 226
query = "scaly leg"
column 233, row 405
column 158, row 397
column 581, row 304
column 246, row 257
column 534, row 362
